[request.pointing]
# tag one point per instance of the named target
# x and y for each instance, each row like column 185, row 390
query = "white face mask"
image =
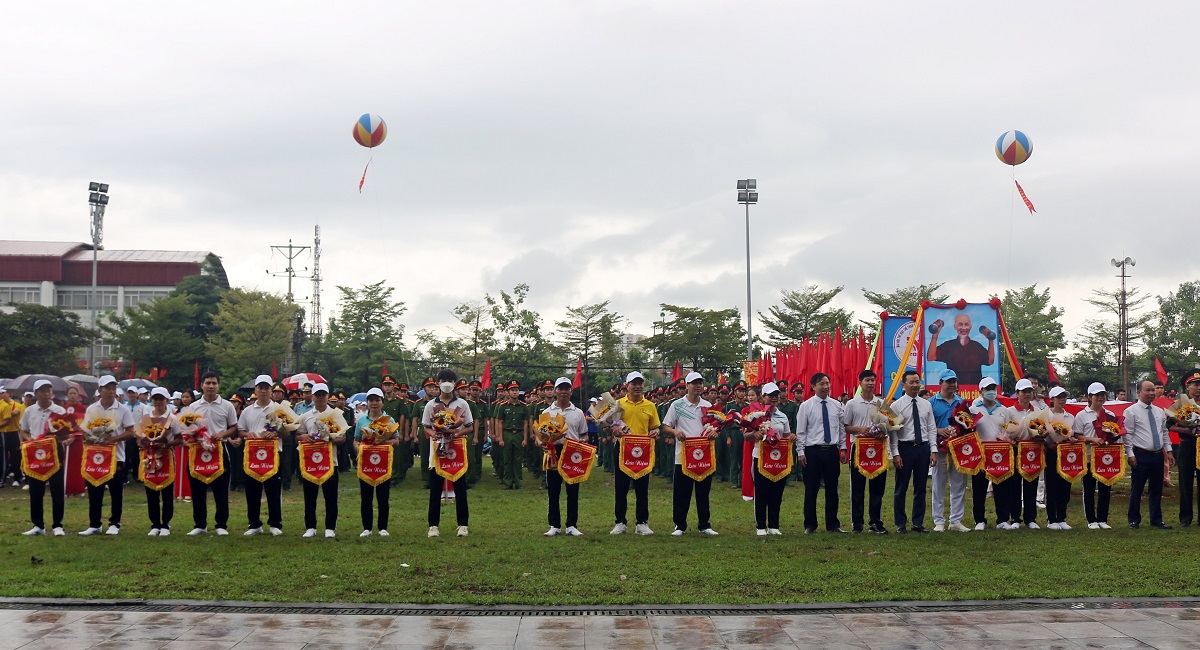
column 989, row 395
column 447, row 387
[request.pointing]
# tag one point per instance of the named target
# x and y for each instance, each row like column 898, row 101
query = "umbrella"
column 357, row 397
column 298, row 380
column 20, row 385
column 89, row 383
column 124, row 385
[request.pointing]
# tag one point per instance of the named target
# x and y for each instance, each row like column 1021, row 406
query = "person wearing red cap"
column 1187, row 432
column 508, row 417
column 418, row 435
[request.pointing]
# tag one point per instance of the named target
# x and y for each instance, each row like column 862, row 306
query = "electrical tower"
column 314, row 326
column 291, row 253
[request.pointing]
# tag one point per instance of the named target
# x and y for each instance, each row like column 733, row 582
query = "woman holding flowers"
column 325, row 425
column 1058, row 489
column 764, row 421
column 375, row 428
column 157, row 434
column 444, row 420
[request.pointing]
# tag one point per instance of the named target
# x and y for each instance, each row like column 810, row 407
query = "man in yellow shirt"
column 10, row 442
column 640, row 417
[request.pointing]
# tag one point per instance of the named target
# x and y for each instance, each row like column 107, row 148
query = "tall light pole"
column 97, row 200
column 747, row 194
column 1123, row 321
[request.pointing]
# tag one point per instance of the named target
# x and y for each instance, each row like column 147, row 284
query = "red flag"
column 721, row 381
column 274, row 370
column 578, row 382
column 835, row 364
column 487, row 374
column 153, row 376
column 676, row 373
column 1160, row 371
column 1051, row 372
column 1028, row 203
column 196, row 376
column 768, row 369
column 364, row 176
column 385, row 372
column 133, row 368
column 803, row 366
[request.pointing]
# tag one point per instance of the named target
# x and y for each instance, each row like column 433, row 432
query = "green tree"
column 1097, row 354
column 252, row 330
column 1174, row 336
column 1034, row 328
column 591, row 334
column 364, row 332
column 204, row 292
column 706, row 340
column 158, row 335
column 804, row 313
column 475, row 336
column 37, row 339
column 906, row 300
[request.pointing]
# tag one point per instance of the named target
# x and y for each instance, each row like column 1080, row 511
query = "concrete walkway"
column 1113, row 627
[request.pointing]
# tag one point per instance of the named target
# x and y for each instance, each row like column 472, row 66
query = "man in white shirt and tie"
column 821, row 435
column 912, row 452
column 1145, row 439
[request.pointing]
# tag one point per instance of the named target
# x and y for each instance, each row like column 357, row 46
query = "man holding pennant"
column 107, row 423
column 321, row 428
column 40, row 457
column 912, row 452
column 991, row 422
column 157, row 435
column 944, row 403
column 376, row 436
column 1070, row 462
column 868, row 447
column 446, row 422
column 636, row 432
column 562, row 429
column 694, row 429
column 265, row 424
column 207, row 422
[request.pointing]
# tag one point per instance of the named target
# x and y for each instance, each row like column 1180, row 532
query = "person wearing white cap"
column 821, row 445
column 220, row 419
column 137, row 408
column 684, row 419
column 576, row 430
column 378, row 493
column 857, row 418
column 1058, row 489
column 252, row 424
column 313, row 422
column 912, row 450
column 108, row 407
column 641, row 419
column 1024, row 505
column 448, row 400
column 1088, row 428
column 1146, row 437
column 160, row 503
column 991, row 419
column 35, row 423
column 768, row 494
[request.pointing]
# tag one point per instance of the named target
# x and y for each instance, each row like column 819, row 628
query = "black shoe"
column 878, row 529
column 920, row 529
column 809, row 531
column 901, row 530
column 1134, row 525
column 1162, row 526
column 843, row 530
column 1185, row 524
column 859, row 529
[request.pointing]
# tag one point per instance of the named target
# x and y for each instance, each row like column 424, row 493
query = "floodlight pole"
column 97, row 200
column 747, row 194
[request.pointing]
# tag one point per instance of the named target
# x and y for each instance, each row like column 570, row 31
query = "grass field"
column 506, row 560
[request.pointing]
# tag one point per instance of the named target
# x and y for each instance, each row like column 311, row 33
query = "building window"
column 20, row 295
column 135, row 298
column 82, row 299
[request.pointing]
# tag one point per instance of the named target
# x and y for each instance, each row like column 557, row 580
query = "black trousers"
column 1149, row 468
column 254, row 491
column 768, row 495
column 554, row 485
column 160, row 505
column 289, row 468
column 37, row 491
column 461, row 511
column 821, row 464
column 1058, row 495
column 11, row 440
column 116, row 489
column 328, row 489
column 641, row 492
column 979, row 489
column 1007, row 494
column 367, row 494
column 1095, row 509
column 681, row 499
column 873, row 490
column 1023, row 500
column 1186, row 462
column 915, row 460
column 220, row 492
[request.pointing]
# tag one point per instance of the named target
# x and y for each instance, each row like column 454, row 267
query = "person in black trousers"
column 768, row 494
column 451, row 402
column 912, row 452
column 857, row 418
column 323, row 423
column 367, row 493
column 821, row 441
column 577, row 430
column 1187, row 450
column 684, row 418
column 1146, row 437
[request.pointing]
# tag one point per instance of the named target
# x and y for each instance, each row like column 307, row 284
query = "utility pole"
column 290, row 253
column 315, row 318
column 1123, row 320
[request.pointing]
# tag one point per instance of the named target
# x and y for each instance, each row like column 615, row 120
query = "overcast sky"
column 591, row 149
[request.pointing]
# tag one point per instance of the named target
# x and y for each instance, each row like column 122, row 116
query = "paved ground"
column 1164, row 628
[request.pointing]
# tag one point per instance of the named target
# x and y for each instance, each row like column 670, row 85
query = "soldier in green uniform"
column 287, row 459
column 494, row 430
column 734, row 435
column 789, row 407
column 417, row 432
column 510, row 417
column 397, row 409
column 719, row 398
column 478, row 430
column 533, row 453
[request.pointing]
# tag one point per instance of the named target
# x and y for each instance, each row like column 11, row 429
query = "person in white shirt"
column 912, row 452
column 857, row 419
column 1086, row 428
column 108, row 406
column 768, row 494
column 1058, row 489
column 310, row 425
column 1024, row 505
column 943, row 403
column 821, row 446
column 252, row 423
column 135, row 400
column 991, row 418
column 452, row 402
column 160, row 504
column 34, row 424
column 370, row 494
column 684, row 419
column 221, row 420
column 576, row 430
column 1146, row 437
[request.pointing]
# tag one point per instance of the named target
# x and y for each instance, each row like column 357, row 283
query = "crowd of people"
column 693, row 433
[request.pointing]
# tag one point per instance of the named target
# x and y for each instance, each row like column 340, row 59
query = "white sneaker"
column 959, row 528
column 153, row 532
column 25, row 487
column 276, row 532
column 643, row 529
column 1062, row 525
column 383, row 533
column 573, row 531
column 1032, row 525
column 90, row 531
column 1053, row 526
column 761, row 532
column 619, row 529
column 981, row 525
column 330, row 533
column 221, row 532
column 939, row 528
column 252, row 532
column 36, row 530
column 59, row 532
column 197, row 531
column 462, row 531
column 774, row 531
column 365, row 533
column 1014, row 526
column 164, row 532
column 709, row 531
column 1003, row 525
column 1093, row 525
column 433, row 531
column 550, row 533
column 1041, row 505
column 311, row 532
column 677, row 532
column 16, row 484
column 113, row 530
column 1104, row 525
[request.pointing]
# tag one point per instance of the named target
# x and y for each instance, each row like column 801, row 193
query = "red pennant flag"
column 364, row 176
column 768, row 369
column 274, row 370
column 1160, row 371
column 1051, row 372
column 835, row 364
column 153, row 376
column 385, row 372
column 721, row 381
column 487, row 374
column 133, row 368
column 196, row 376
column 578, row 382
column 676, row 373
column 1028, row 203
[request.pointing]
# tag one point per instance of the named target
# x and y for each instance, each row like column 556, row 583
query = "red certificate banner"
column 375, row 464
column 39, row 458
column 699, row 458
column 997, row 460
column 1072, row 461
column 1108, row 463
column 637, row 455
column 316, row 461
column 870, row 456
column 775, row 460
column 206, row 465
column 99, row 463
column 967, row 453
column 261, row 459
column 453, row 464
column 157, row 469
column 576, row 461
column 1033, row 458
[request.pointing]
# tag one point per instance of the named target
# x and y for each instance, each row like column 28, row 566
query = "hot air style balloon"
column 1014, row 148
column 370, row 131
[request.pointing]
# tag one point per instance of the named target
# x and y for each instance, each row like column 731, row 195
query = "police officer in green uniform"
column 287, row 461
column 734, row 437
column 510, row 418
column 418, row 435
column 533, row 454
column 395, row 408
column 718, row 400
column 472, row 392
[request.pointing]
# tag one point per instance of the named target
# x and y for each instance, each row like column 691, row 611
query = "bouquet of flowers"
column 1061, row 429
column 194, row 431
column 754, row 419
column 1036, row 423
column 154, row 436
column 99, row 429
column 1110, row 429
column 605, row 411
column 963, row 420
column 883, row 417
column 1185, row 412
column 550, row 429
column 61, row 427
column 444, row 421
column 380, row 430
column 715, row 419
column 329, row 426
column 280, row 418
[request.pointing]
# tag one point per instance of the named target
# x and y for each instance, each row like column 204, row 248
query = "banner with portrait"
column 963, row 337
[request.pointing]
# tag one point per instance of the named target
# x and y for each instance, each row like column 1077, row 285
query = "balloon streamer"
column 364, row 176
column 1028, row 203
